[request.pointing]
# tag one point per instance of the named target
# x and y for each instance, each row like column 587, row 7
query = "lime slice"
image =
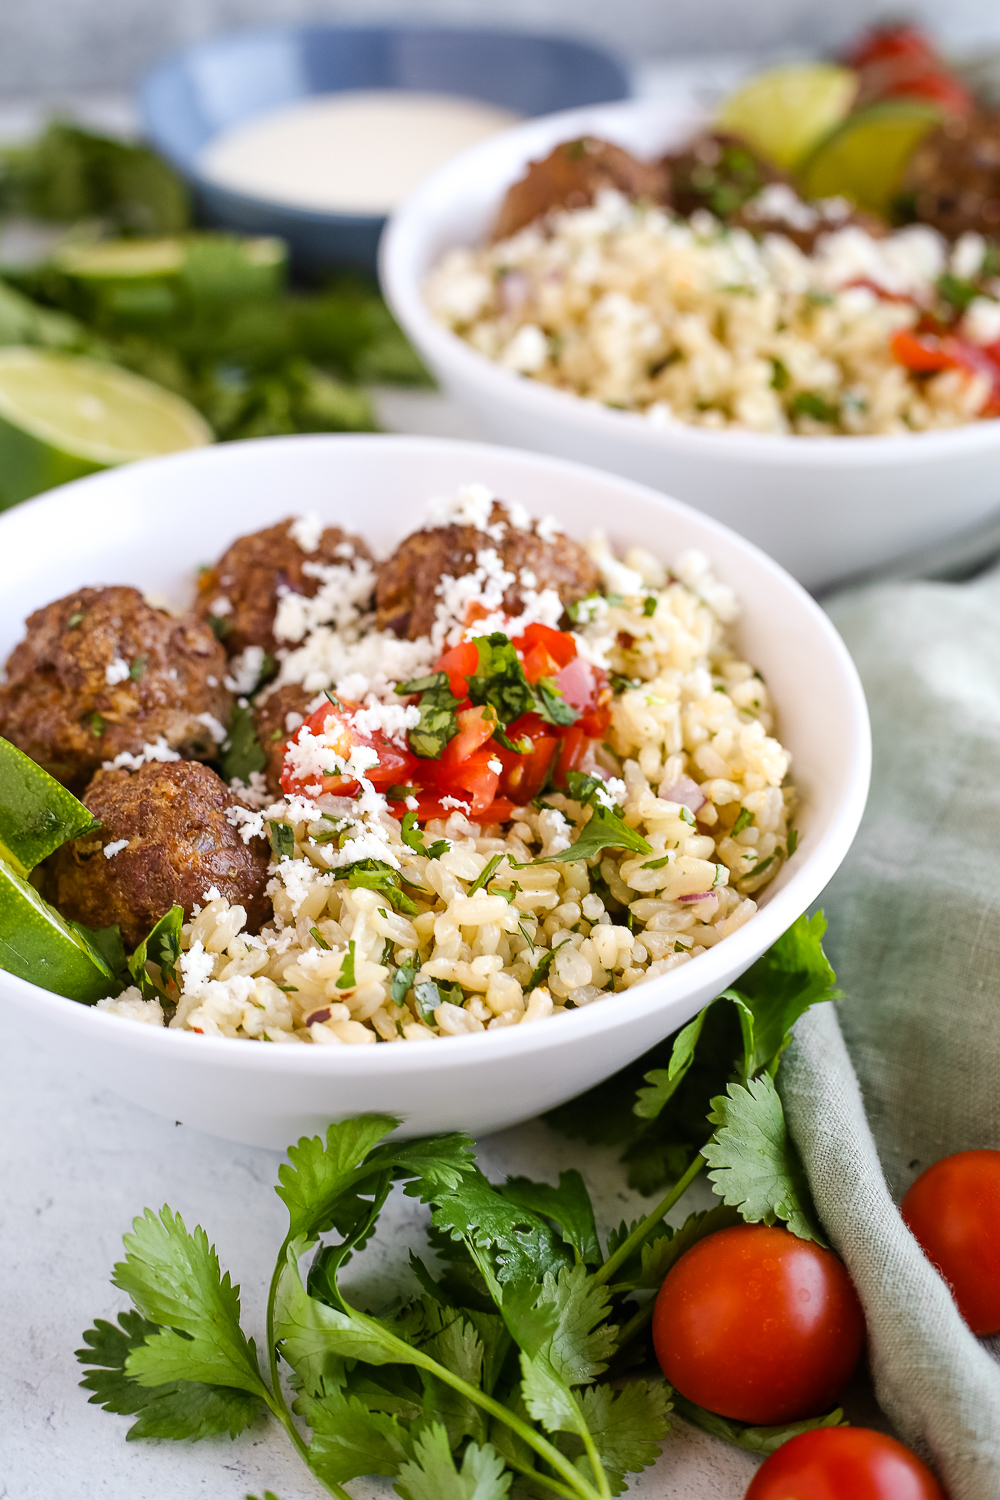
column 783, row 113
column 140, row 259
column 38, row 945
column 36, row 813
column 63, row 416
column 865, row 158
column 121, row 258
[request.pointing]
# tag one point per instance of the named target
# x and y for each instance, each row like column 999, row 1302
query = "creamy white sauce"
column 359, row 151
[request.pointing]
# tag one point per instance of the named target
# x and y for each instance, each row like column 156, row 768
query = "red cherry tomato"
column 758, row 1325
column 953, row 1209
column 395, row 762
column 843, row 1463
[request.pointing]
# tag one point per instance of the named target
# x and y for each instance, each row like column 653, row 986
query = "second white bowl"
column 826, row 508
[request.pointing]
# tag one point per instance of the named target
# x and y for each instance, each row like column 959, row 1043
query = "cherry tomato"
column 756, row 1324
column 395, row 762
column 953, row 1210
column 843, row 1463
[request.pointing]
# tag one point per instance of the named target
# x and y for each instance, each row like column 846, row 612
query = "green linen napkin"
column 914, row 936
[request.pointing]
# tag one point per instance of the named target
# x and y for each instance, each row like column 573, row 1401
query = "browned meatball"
column 270, row 717
column 571, row 176
column 239, row 596
column 180, row 844
column 101, row 672
column 719, row 172
column 953, row 177
column 405, row 595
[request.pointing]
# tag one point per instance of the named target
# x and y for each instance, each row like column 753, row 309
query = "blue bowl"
column 193, row 96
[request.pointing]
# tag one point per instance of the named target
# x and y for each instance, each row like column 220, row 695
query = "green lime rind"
column 36, row 944
column 37, row 814
column 864, row 159
column 28, row 465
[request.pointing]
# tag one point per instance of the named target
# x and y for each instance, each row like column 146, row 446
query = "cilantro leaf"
column 755, row 1166
column 163, row 947
column 373, row 875
column 438, row 714
column 320, row 1171
column 568, row 1206
column 485, row 875
column 540, row 972
column 627, row 1426
column 499, row 679
column 173, row 1277
column 345, row 979
column 514, row 1244
column 282, row 839
column 307, row 1330
column 181, row 1409
column 242, row 752
column 564, row 1321
column 432, row 1475
column 765, row 1440
column 414, row 839
column 604, row 830
column 350, row 1439
column 551, row 704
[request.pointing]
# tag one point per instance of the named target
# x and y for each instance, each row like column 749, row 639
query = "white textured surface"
column 79, row 1165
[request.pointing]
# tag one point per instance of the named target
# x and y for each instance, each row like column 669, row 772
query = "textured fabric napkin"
column 914, row 936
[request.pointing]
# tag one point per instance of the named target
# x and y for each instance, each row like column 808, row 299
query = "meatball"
column 571, row 176
column 178, row 844
column 239, row 595
column 952, row 179
column 406, row 597
column 101, row 672
column 272, row 716
column 719, row 172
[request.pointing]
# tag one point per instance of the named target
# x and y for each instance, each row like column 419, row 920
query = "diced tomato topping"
column 395, row 762
column 460, row 663
column 523, row 776
column 927, row 353
column 885, row 42
column 475, row 727
column 901, row 62
column 544, row 651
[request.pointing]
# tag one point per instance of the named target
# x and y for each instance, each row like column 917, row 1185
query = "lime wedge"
column 864, row 159
column 36, row 813
column 139, row 259
column 62, row 416
column 783, row 113
column 38, row 945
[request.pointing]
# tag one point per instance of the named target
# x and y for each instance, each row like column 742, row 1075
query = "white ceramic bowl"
column 152, row 523
column 826, row 508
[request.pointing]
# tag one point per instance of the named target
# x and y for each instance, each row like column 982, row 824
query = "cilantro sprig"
column 523, row 1356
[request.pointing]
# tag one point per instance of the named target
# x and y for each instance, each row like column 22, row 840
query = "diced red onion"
column 324, row 1014
column 687, row 792
column 699, row 896
column 514, row 289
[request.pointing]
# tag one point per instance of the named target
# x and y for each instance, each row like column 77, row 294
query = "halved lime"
column 783, row 113
column 37, row 814
column 62, row 416
column 37, row 944
column 864, row 159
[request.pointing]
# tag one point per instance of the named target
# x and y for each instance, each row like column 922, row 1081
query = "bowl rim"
column 770, row 921
column 413, row 222
column 178, row 63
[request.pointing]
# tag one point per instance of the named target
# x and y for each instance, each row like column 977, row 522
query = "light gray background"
column 47, row 46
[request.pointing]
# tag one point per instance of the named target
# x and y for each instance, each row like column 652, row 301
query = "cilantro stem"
column 649, row 1223
column 635, row 1324
column 539, row 1479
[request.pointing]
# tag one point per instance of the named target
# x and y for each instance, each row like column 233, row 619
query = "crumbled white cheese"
column 967, row 255
column 618, row 579
column 981, row 323
column 244, row 670
column 293, row 720
column 116, row 671
column 307, row 530
column 469, row 506
column 255, row 793
column 548, row 529
column 781, row 202
column 341, row 601
column 196, row 964
column 212, row 894
column 612, row 793
column 110, row 850
column 221, row 606
column 249, row 822
column 130, row 1006
column 496, row 766
column 158, row 751
column 390, row 719
column 211, row 723
column 693, row 568
column 527, row 352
